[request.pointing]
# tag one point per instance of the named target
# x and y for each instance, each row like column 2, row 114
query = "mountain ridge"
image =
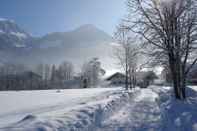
column 76, row 45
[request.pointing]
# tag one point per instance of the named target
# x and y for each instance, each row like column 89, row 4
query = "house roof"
column 117, row 74
column 139, row 75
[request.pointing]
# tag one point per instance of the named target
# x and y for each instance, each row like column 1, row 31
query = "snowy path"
column 141, row 114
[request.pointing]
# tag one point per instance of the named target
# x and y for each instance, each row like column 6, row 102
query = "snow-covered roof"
column 117, row 74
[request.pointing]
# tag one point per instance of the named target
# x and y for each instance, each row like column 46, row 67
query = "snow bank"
column 178, row 115
column 15, row 105
column 86, row 118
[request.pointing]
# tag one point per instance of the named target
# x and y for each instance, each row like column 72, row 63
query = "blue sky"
column 44, row 16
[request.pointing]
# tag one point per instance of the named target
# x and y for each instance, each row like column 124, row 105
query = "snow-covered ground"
column 142, row 113
column 179, row 115
column 101, row 109
column 14, row 106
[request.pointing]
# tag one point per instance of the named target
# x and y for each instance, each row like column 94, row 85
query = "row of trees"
column 168, row 34
column 17, row 77
column 65, row 71
column 45, row 76
column 127, row 53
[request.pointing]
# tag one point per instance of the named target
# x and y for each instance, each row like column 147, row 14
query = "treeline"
column 46, row 76
column 43, row 76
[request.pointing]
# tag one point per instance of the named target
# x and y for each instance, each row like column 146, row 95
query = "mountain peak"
column 11, row 35
column 87, row 28
column 90, row 31
column 11, row 28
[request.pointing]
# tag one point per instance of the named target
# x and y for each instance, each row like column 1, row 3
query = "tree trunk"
column 178, row 76
column 179, row 83
column 183, row 86
column 176, row 86
column 183, row 91
column 174, row 77
column 126, row 81
column 134, row 78
column 127, row 75
column 130, row 81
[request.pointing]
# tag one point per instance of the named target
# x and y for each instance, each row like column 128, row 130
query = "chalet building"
column 143, row 78
column 117, row 79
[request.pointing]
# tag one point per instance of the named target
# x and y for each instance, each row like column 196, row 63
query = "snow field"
column 84, row 117
column 151, row 109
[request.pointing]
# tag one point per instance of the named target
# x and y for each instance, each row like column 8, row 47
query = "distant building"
column 117, row 79
column 143, row 78
column 191, row 78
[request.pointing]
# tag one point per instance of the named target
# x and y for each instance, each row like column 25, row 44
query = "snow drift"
column 177, row 115
column 86, row 118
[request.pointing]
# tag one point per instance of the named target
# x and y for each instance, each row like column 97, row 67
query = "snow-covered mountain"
column 85, row 35
column 76, row 46
column 11, row 35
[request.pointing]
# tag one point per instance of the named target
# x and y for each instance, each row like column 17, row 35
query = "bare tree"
column 44, row 70
column 40, row 70
column 168, row 28
column 127, row 54
column 47, row 72
column 47, row 75
column 91, row 72
column 53, row 73
column 67, row 70
column 133, row 63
